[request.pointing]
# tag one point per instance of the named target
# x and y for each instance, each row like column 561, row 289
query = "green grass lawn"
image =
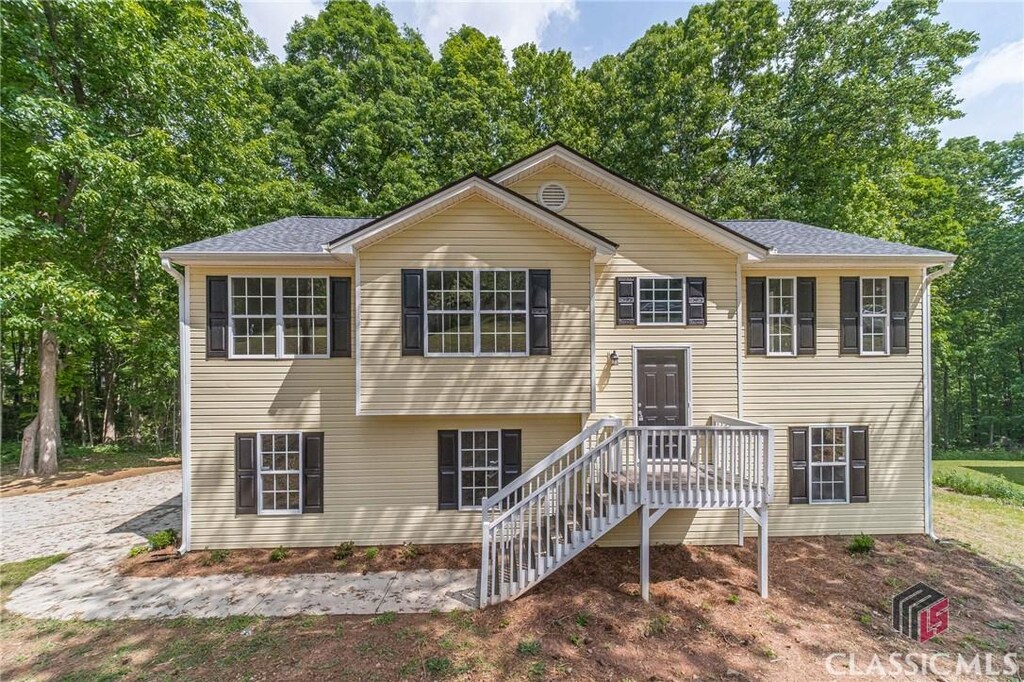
column 13, row 574
column 997, row 474
column 91, row 458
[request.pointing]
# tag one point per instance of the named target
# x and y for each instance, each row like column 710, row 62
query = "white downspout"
column 739, row 340
column 926, row 359
column 186, row 402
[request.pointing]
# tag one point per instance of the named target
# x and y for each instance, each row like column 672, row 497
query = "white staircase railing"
column 564, row 503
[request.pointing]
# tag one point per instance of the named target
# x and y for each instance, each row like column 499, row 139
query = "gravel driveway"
column 103, row 515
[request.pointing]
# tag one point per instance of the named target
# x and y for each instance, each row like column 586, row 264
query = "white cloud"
column 272, row 19
column 986, row 73
column 514, row 23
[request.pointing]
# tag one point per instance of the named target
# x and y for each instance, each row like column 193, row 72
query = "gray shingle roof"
column 295, row 234
column 790, row 238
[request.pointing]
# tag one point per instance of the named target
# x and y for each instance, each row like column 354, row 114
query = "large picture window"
column 476, row 312
column 661, row 300
column 830, row 464
column 278, row 317
column 479, row 466
column 874, row 315
column 781, row 316
column 280, row 473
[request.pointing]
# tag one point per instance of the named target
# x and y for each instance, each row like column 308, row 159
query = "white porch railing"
column 574, row 496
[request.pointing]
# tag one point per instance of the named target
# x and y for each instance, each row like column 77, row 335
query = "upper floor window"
column 874, row 315
column 661, row 300
column 278, row 317
column 781, row 316
column 476, row 312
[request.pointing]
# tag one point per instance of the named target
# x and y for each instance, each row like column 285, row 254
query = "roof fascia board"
column 258, row 258
column 853, row 261
column 646, row 199
column 451, row 195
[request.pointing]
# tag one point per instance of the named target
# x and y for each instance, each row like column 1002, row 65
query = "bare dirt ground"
column 168, row 564
column 705, row 621
column 12, row 487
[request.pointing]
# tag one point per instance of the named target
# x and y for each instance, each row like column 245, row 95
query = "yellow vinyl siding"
column 474, row 233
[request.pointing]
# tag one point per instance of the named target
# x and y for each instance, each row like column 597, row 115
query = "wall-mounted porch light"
column 613, row 358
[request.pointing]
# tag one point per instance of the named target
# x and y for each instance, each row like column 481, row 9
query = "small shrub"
column 537, row 669
column 162, row 539
column 278, row 554
column 137, row 550
column 438, row 666
column 996, row 486
column 861, row 544
column 410, row 551
column 219, row 556
column 386, row 618
column 770, row 654
column 344, row 550
column 577, row 641
column 528, row 647
column 371, row 553
column 583, row 619
column 865, row 618
column 657, row 625
column 733, row 599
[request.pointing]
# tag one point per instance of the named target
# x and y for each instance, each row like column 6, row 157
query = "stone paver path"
column 97, row 524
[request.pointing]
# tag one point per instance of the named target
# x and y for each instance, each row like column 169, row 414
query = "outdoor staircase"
column 570, row 499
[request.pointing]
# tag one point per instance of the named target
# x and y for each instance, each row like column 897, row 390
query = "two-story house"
column 545, row 358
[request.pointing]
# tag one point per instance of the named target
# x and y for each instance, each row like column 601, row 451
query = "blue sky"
column 991, row 85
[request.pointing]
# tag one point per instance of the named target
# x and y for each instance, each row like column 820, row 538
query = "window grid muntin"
column 476, row 313
column 830, row 444
column 480, row 470
column 277, row 317
column 286, row 479
column 874, row 316
column 781, row 309
column 309, row 309
column 662, row 308
column 502, row 298
column 256, row 295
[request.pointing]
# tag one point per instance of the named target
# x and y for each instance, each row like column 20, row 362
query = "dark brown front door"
column 661, row 387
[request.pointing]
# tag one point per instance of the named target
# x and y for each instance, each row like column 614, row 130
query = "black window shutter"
column 216, row 317
column 625, row 300
column 756, row 317
column 806, row 305
column 858, row 464
column 899, row 305
column 540, row 312
column 313, row 473
column 849, row 315
column 341, row 317
column 798, row 469
column 448, row 469
column 245, row 473
column 511, row 455
column 412, row 312
column 696, row 300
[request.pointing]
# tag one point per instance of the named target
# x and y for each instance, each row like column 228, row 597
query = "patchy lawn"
column 582, row 623
column 13, row 574
column 987, row 526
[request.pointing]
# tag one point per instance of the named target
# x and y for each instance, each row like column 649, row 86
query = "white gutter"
column 185, row 379
column 926, row 359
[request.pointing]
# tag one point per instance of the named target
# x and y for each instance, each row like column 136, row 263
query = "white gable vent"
column 553, row 195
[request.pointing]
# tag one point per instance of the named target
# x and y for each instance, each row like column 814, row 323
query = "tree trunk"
column 49, row 417
column 109, row 406
column 27, row 466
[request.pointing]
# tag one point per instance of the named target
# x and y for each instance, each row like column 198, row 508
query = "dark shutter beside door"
column 313, row 473
column 696, row 300
column 448, row 469
column 245, row 473
column 341, row 317
column 540, row 312
column 216, row 317
column 756, row 322
column 625, row 300
column 805, row 315
column 412, row 312
column 798, row 470
column 511, row 455
column 849, row 315
column 858, row 464
column 899, row 306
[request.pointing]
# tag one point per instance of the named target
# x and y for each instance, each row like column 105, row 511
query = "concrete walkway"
column 98, row 524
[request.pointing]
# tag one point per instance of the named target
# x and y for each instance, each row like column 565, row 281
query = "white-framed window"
column 874, row 315
column 829, row 457
column 476, row 312
column 781, row 316
column 479, row 466
column 661, row 300
column 278, row 317
column 279, row 457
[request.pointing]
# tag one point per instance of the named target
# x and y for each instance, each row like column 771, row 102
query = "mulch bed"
column 168, row 564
